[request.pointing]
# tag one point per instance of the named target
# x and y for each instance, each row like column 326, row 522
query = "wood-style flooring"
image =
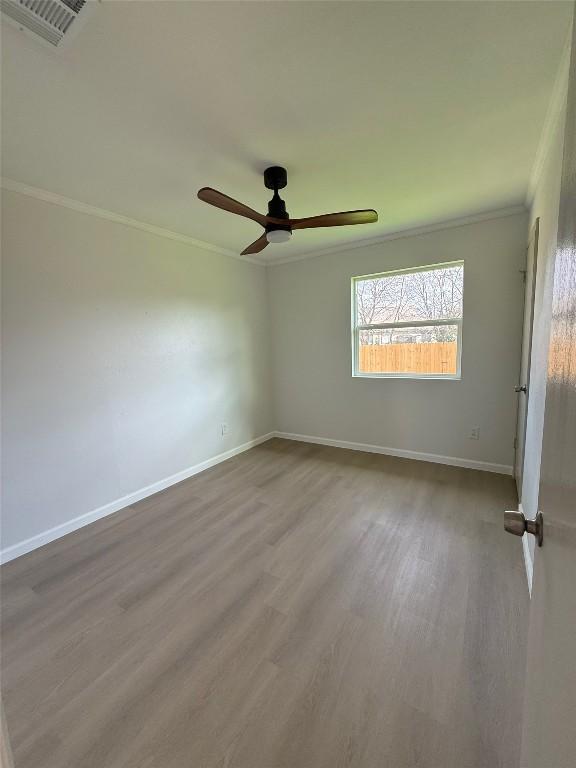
column 297, row 606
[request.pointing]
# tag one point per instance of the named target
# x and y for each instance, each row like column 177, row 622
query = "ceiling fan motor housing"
column 275, row 178
column 277, row 210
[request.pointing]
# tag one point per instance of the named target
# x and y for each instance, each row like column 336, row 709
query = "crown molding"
column 90, row 210
column 553, row 114
column 500, row 213
column 101, row 213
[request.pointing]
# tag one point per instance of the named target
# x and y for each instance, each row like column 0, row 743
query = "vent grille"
column 76, row 5
column 49, row 19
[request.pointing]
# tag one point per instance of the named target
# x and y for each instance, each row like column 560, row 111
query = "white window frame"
column 458, row 321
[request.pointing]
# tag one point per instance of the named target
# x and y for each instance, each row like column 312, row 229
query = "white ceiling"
column 423, row 110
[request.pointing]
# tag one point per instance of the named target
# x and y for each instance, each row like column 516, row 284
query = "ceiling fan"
column 277, row 224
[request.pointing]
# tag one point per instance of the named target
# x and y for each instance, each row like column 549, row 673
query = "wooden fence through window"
column 433, row 357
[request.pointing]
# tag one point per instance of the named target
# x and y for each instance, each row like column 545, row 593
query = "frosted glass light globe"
column 278, row 236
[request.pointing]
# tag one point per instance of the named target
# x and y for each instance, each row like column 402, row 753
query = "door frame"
column 526, row 350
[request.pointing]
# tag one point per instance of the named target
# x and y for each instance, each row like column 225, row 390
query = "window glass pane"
column 434, row 294
column 422, row 350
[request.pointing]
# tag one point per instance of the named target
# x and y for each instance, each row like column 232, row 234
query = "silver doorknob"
column 516, row 523
column 520, row 389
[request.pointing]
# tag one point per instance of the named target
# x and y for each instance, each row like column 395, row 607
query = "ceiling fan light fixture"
column 278, row 235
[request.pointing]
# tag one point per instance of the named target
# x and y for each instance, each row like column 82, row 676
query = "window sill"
column 420, row 376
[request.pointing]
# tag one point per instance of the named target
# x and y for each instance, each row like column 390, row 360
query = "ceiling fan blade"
column 213, row 197
column 256, row 246
column 335, row 219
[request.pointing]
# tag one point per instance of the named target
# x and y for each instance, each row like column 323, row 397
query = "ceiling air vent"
column 49, row 19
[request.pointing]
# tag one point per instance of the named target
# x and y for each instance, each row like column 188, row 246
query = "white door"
column 523, row 387
column 549, row 727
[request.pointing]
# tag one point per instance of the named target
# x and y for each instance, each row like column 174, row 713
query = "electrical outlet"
column 475, row 433
column 224, row 428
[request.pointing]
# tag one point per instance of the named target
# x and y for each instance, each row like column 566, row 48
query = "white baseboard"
column 528, row 562
column 22, row 547
column 45, row 537
column 485, row 466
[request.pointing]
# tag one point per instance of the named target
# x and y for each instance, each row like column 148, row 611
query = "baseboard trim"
column 34, row 542
column 454, row 461
column 45, row 537
column 528, row 562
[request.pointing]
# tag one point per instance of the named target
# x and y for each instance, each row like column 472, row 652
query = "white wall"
column 545, row 206
column 315, row 393
column 122, row 354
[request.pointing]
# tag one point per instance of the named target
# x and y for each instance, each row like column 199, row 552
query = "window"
column 408, row 323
